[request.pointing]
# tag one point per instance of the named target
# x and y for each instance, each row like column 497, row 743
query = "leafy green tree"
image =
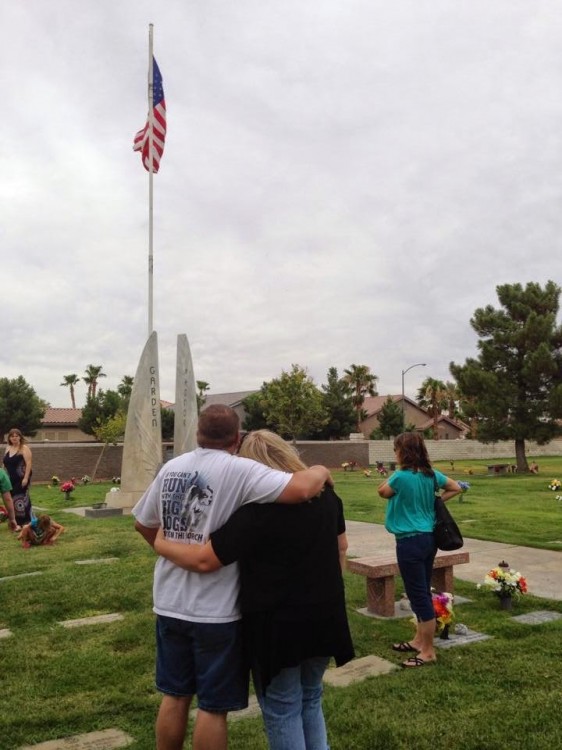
column 253, row 408
column 363, row 383
column 432, row 396
column 99, row 409
column 112, row 430
column 336, row 397
column 516, row 381
column 202, row 388
column 293, row 404
column 390, row 419
column 93, row 374
column 70, row 381
column 20, row 406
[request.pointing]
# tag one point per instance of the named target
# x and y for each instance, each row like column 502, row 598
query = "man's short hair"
column 218, row 427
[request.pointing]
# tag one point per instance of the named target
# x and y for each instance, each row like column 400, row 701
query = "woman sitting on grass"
column 42, row 530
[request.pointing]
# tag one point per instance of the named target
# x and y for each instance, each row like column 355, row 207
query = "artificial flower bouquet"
column 443, row 607
column 505, row 582
column 555, row 485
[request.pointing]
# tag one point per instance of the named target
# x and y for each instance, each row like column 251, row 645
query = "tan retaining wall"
column 76, row 459
column 457, row 450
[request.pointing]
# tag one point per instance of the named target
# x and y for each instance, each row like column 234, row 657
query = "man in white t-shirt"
column 198, row 639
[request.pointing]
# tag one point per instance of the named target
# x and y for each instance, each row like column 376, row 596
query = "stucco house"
column 449, row 429
column 413, row 414
column 61, row 426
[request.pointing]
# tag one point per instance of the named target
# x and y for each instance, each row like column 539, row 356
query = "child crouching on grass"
column 42, row 530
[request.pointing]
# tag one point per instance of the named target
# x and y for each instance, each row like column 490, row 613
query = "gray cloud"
column 343, row 182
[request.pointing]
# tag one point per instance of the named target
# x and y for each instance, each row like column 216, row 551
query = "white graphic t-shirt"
column 192, row 496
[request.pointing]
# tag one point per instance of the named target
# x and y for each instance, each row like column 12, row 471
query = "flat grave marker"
column 94, row 620
column 22, row 575
column 357, row 670
column 97, row 561
column 538, row 617
column 107, row 739
column 471, row 636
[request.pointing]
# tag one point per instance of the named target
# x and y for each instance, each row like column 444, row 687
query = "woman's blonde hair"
column 269, row 449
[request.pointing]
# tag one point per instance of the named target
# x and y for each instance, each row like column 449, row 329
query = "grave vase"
column 506, row 602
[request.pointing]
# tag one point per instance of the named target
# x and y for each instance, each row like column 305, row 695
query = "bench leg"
column 381, row 596
column 442, row 579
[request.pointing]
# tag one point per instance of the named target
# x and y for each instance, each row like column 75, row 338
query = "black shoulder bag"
column 446, row 532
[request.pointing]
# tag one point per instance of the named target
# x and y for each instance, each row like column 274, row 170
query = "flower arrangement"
column 86, row 479
column 443, row 607
column 349, row 465
column 366, row 473
column 505, row 582
column 554, row 485
column 67, row 488
column 55, row 480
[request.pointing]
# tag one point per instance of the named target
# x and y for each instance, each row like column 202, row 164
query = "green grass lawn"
column 497, row 694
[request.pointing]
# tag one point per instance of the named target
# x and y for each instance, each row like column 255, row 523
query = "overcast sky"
column 344, row 181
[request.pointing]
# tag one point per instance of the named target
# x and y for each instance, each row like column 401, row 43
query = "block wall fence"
column 75, row 460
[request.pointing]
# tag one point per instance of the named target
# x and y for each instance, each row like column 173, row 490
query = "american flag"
column 142, row 140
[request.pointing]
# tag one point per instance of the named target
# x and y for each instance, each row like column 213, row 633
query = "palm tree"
column 362, row 383
column 452, row 394
column 432, row 396
column 69, row 382
column 93, row 373
column 202, row 388
column 125, row 387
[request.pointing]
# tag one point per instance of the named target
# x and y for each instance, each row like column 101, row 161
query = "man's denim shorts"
column 203, row 659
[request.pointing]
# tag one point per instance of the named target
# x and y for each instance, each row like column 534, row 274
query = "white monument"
column 142, row 450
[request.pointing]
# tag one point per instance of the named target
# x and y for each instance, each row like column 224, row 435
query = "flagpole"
column 150, row 180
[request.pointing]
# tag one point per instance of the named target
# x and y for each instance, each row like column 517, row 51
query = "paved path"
column 542, row 568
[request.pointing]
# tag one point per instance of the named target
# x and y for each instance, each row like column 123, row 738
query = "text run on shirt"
column 186, row 503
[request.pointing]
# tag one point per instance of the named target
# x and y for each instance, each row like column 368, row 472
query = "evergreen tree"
column 390, row 419
column 515, row 384
column 338, row 406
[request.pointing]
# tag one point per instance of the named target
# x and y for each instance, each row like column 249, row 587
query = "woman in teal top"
column 410, row 517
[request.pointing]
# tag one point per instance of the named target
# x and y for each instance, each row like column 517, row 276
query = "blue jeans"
column 292, row 707
column 415, row 556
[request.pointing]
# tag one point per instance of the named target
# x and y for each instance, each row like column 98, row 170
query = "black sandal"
column 404, row 647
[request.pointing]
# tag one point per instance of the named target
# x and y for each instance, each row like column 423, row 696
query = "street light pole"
column 419, row 364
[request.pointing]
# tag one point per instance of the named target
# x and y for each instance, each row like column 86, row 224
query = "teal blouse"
column 410, row 509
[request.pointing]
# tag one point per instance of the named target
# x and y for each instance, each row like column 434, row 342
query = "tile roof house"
column 61, row 426
column 449, row 429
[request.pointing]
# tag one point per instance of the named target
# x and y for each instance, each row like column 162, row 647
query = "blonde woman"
column 292, row 596
column 17, row 462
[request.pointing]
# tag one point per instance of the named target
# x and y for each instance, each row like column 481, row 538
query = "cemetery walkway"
column 542, row 568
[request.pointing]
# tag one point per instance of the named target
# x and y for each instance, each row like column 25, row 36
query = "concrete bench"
column 381, row 569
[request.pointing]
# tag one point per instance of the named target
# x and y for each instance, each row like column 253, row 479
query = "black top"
column 292, row 593
column 15, row 466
